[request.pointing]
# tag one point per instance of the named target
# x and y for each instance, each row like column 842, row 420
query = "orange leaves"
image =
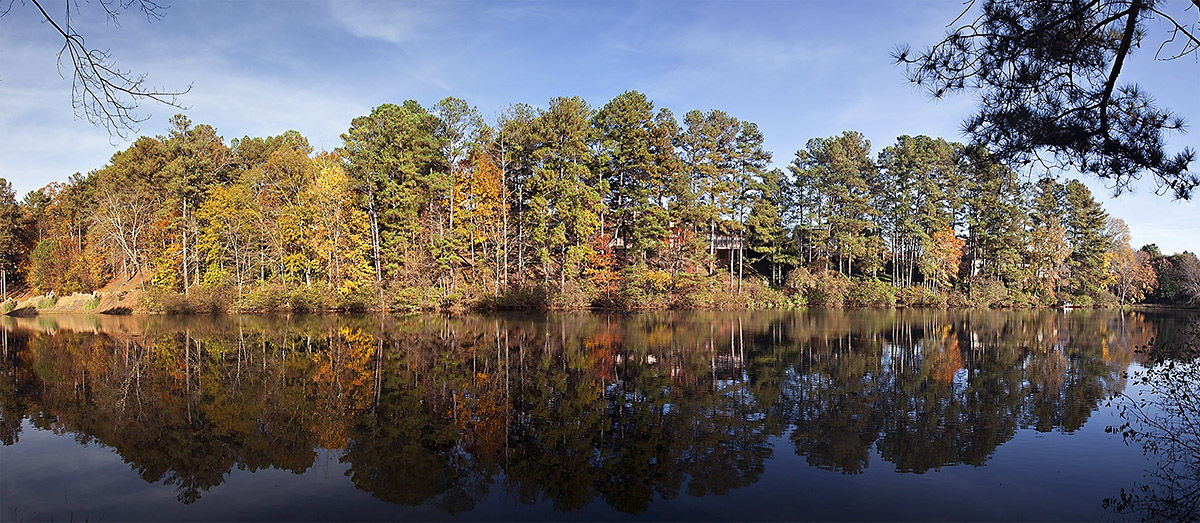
column 602, row 352
column 948, row 357
column 946, row 251
column 601, row 263
column 344, row 378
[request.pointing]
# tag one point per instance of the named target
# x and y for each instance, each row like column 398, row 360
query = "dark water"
column 729, row 416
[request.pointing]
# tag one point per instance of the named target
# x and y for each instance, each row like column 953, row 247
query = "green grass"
column 91, row 303
column 8, row 306
column 47, row 302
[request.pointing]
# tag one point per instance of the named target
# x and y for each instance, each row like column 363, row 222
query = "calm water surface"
column 731, row 416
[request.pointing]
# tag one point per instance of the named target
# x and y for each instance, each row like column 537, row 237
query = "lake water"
column 707, row 415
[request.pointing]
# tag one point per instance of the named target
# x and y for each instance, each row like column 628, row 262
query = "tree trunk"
column 741, row 262
column 185, row 256
column 375, row 239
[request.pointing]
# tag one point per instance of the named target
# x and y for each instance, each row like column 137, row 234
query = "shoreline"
column 32, row 313
column 133, row 303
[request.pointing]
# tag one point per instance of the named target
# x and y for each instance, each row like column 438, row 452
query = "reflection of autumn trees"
column 564, row 409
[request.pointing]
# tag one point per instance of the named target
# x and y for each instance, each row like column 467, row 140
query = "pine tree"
column 837, row 171
column 393, row 157
column 750, row 162
column 709, row 148
column 994, row 217
column 1048, row 248
column 636, row 163
column 1085, row 233
column 514, row 148
column 917, row 199
column 564, row 202
column 765, row 233
column 11, row 237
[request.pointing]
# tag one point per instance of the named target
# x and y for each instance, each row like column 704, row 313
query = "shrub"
column 1106, row 299
column 957, row 298
column 1044, row 299
column 412, row 299
column 212, row 298
column 871, row 293
column 358, row 299
column 153, row 299
column 47, row 301
column 206, row 297
column 264, row 297
column 760, row 294
column 8, row 306
column 799, row 280
column 643, row 288
column 828, row 289
column 1017, row 299
column 985, row 292
column 92, row 302
column 570, row 296
column 694, row 291
column 517, row 298
column 918, row 296
column 1078, row 300
column 311, row 298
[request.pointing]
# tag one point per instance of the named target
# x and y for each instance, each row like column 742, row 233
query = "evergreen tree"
column 994, row 217
column 917, row 198
column 750, row 162
column 199, row 160
column 709, row 149
column 459, row 130
column 393, row 157
column 514, row 148
column 1048, row 248
column 11, row 237
column 1085, row 233
column 839, row 170
column 564, row 201
column 765, row 233
column 637, row 164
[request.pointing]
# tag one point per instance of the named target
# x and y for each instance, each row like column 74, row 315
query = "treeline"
column 567, row 206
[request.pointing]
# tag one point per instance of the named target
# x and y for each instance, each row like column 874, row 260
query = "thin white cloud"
column 392, row 22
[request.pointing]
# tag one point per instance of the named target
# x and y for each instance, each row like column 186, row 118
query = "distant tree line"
column 567, row 206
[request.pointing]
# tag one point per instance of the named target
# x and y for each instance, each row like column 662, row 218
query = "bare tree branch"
column 101, row 92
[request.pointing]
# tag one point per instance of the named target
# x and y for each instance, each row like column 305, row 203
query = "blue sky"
column 799, row 69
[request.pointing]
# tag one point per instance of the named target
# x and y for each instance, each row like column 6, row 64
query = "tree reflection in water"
column 1162, row 415
column 565, row 408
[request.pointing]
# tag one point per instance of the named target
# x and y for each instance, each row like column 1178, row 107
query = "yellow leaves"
column 344, row 377
column 1110, row 261
column 658, row 279
column 231, row 218
column 336, row 230
column 1129, row 273
column 478, row 200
